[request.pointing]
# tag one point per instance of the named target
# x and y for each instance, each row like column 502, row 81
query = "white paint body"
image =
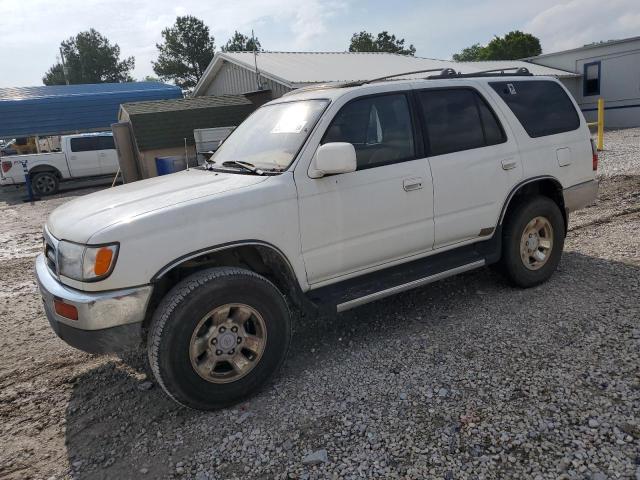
column 69, row 163
column 330, row 228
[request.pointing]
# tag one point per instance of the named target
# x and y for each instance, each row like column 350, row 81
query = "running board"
column 353, row 292
column 408, row 286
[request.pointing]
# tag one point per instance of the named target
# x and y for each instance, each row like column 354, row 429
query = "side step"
column 357, row 291
column 356, row 302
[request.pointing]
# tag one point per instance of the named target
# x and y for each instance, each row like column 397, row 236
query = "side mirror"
column 332, row 158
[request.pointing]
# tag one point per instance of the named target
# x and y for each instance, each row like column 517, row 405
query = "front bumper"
column 580, row 196
column 107, row 321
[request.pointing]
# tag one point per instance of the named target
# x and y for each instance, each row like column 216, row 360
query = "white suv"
column 322, row 200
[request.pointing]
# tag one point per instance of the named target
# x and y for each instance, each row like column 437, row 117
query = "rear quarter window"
column 541, row 106
column 84, row 144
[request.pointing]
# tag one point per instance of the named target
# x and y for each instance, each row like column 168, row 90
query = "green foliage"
column 185, row 53
column 365, row 42
column 469, row 54
column 90, row 58
column 241, row 43
column 513, row 46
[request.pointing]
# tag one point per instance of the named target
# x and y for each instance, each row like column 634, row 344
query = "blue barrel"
column 167, row 165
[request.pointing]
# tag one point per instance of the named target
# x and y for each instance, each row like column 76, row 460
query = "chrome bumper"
column 581, row 195
column 106, row 320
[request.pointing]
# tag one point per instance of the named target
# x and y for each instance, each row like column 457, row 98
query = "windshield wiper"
column 245, row 165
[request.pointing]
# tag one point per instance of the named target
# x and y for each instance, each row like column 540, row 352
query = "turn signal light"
column 103, row 261
column 594, row 152
column 6, row 166
column 65, row 310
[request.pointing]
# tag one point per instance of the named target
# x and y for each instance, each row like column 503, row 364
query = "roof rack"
column 495, row 72
column 443, row 73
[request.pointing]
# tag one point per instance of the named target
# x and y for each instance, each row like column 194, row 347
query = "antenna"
column 255, row 60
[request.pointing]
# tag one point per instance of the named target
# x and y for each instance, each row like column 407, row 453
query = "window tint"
column 378, row 127
column 84, row 144
column 542, row 107
column 591, row 79
column 493, row 132
column 458, row 119
column 106, row 143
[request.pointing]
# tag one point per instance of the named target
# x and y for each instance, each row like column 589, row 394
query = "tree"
column 185, row 53
column 241, row 43
column 365, row 42
column 90, row 58
column 513, row 46
column 469, row 54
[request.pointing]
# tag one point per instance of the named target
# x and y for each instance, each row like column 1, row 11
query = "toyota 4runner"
column 322, row 200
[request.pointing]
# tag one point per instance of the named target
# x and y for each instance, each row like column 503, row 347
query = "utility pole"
column 65, row 70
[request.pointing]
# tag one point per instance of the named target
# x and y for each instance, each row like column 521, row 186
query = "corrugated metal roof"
column 54, row 110
column 295, row 69
column 139, row 108
column 590, row 46
column 165, row 124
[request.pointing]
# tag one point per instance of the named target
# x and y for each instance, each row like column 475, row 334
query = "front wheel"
column 533, row 241
column 218, row 336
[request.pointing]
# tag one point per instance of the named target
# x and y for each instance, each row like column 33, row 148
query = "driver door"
column 380, row 213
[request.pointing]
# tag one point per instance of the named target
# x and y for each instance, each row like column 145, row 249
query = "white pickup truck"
column 83, row 155
column 322, row 200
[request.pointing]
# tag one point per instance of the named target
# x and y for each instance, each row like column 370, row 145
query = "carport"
column 65, row 109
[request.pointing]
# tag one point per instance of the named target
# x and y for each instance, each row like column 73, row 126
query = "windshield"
column 270, row 138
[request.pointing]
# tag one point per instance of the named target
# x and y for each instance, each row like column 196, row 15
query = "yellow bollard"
column 600, row 142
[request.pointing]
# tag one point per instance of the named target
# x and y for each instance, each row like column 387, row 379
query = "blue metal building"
column 62, row 109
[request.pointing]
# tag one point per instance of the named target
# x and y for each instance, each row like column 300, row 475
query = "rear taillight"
column 594, row 153
column 6, row 166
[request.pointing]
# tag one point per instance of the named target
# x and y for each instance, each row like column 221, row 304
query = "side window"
column 541, row 106
column 84, row 144
column 493, row 131
column 458, row 119
column 378, row 127
column 106, row 143
column 591, row 79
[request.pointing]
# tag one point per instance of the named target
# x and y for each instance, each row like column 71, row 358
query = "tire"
column 177, row 335
column 525, row 260
column 45, row 183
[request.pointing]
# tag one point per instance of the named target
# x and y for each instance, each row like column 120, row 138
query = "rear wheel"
column 45, row 183
column 218, row 336
column 533, row 241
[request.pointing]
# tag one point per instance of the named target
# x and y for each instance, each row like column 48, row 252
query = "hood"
column 82, row 217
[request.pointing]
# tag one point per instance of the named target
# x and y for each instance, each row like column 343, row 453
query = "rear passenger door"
column 474, row 162
column 82, row 156
column 107, row 156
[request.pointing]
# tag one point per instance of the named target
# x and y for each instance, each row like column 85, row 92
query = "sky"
column 33, row 29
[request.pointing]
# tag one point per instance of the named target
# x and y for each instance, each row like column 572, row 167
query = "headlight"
column 86, row 263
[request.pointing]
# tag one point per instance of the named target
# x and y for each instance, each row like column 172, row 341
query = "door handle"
column 410, row 184
column 509, row 164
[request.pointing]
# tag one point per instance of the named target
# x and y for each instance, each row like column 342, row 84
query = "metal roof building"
column 280, row 72
column 60, row 109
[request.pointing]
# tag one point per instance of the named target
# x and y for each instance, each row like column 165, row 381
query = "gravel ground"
column 466, row 378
